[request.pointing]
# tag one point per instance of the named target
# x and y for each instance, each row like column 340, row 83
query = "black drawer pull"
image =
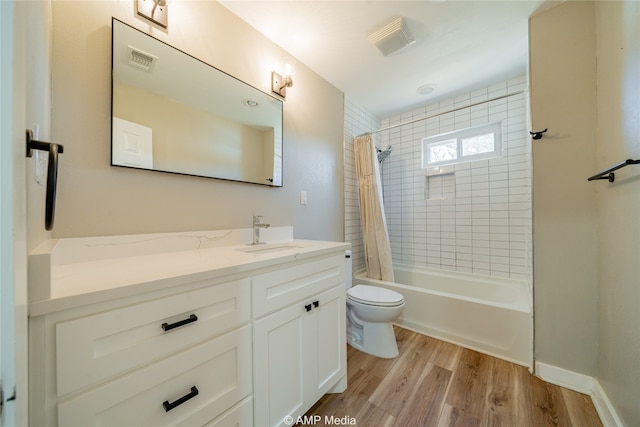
column 168, row 327
column 308, row 307
column 316, row 304
column 169, row 406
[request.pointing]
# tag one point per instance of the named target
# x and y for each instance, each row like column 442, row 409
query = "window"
column 476, row 143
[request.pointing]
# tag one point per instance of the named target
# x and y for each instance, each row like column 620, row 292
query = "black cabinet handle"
column 190, row 319
column 316, row 304
column 169, row 406
column 308, row 307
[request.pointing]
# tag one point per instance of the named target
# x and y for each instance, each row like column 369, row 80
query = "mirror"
column 171, row 112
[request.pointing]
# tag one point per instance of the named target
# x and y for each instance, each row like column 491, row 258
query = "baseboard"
column 564, row 378
column 582, row 384
column 605, row 409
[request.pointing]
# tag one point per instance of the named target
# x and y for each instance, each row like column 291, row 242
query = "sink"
column 267, row 249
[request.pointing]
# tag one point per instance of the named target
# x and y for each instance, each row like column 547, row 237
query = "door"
column 13, row 252
column 279, row 352
column 328, row 361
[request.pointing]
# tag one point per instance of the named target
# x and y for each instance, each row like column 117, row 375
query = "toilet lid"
column 374, row 295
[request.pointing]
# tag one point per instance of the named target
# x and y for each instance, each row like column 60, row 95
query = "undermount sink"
column 267, row 249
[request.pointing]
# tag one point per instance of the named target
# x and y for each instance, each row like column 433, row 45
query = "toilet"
column 370, row 311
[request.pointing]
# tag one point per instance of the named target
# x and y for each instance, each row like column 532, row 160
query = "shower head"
column 382, row 155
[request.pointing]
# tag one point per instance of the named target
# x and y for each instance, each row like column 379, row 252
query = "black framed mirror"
column 172, row 112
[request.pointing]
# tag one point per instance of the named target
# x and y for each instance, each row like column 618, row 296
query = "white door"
column 13, row 252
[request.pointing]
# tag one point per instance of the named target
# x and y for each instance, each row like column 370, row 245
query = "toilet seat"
column 375, row 296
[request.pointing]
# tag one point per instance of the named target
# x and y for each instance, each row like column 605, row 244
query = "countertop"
column 78, row 277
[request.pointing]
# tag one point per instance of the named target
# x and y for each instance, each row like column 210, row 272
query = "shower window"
column 466, row 145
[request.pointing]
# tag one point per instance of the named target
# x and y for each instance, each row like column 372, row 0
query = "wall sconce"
column 279, row 83
column 156, row 11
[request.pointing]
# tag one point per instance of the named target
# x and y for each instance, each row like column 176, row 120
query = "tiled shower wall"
column 482, row 224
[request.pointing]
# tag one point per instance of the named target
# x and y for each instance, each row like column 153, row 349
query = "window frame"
column 459, row 135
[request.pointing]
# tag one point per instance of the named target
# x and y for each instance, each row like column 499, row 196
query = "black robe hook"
column 538, row 135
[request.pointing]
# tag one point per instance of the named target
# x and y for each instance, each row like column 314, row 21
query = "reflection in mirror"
column 174, row 113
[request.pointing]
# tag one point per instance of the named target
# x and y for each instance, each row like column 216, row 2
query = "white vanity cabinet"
column 182, row 359
column 220, row 336
column 299, row 338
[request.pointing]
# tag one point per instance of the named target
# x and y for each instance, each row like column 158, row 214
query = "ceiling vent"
column 392, row 37
column 140, row 59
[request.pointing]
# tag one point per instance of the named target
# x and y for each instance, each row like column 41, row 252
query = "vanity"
column 193, row 329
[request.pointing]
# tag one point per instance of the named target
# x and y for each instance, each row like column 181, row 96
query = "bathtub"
column 487, row 314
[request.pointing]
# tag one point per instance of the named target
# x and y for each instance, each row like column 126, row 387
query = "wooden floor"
column 434, row 383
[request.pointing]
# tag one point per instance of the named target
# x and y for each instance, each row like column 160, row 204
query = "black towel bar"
column 608, row 173
column 52, row 173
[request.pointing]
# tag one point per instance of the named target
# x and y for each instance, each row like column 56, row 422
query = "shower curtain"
column 377, row 250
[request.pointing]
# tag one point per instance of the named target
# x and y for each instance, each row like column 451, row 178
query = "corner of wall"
column 582, row 384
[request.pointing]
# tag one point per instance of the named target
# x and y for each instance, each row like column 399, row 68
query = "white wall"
column 618, row 138
column 585, row 75
column 97, row 199
column 565, row 223
column 38, row 115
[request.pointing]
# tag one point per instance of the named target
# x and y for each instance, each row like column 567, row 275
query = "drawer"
column 94, row 348
column 220, row 370
column 278, row 289
column 240, row 415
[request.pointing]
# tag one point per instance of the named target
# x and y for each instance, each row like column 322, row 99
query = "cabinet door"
column 327, row 356
column 278, row 359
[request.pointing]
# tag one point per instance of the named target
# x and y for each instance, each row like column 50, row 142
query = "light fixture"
column 280, row 83
column 156, row 11
column 425, row 89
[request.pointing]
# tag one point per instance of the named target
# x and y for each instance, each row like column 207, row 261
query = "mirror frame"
column 274, row 181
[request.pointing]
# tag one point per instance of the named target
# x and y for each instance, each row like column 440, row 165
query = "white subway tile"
column 497, row 244
column 481, row 244
column 498, row 177
column 464, row 242
column 499, row 222
column 417, row 226
column 499, row 191
column 478, row 191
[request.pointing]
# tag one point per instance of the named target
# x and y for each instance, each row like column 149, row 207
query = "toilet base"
column 378, row 339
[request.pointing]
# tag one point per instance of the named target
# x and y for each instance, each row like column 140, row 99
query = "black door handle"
column 316, row 304
column 308, row 307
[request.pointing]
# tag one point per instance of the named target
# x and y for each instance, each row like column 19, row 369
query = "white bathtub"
column 486, row 314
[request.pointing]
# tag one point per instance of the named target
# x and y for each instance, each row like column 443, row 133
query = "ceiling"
column 460, row 45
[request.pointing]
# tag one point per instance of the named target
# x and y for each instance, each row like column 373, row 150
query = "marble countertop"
column 86, row 270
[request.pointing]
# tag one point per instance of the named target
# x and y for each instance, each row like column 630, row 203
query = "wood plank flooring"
column 434, row 383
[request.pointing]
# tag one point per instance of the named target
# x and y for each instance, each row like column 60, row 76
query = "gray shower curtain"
column 377, row 250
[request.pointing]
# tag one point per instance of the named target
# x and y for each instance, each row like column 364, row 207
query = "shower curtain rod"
column 440, row 114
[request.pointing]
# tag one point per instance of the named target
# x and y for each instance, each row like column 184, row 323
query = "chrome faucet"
column 257, row 225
